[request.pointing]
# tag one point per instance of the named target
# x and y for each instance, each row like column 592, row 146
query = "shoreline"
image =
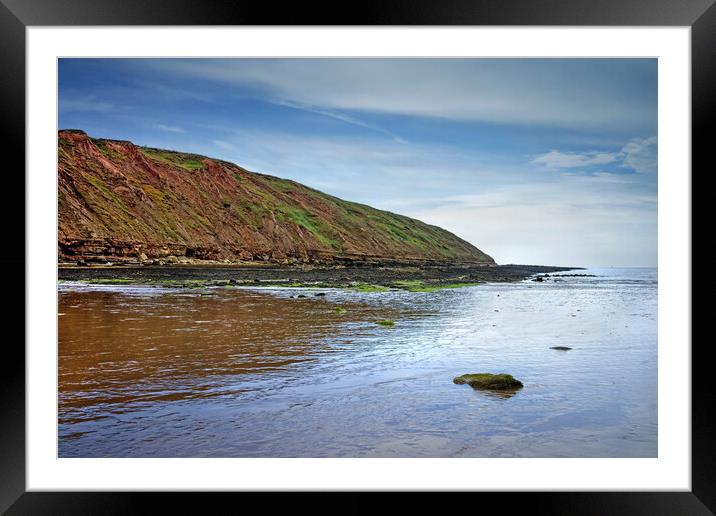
column 412, row 278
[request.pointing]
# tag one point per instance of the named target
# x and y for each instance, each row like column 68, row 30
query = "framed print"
column 421, row 249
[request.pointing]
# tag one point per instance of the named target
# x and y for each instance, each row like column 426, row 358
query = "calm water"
column 231, row 372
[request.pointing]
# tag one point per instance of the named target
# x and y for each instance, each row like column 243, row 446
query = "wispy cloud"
column 557, row 159
column 342, row 117
column 168, row 128
column 561, row 92
column 226, row 146
column 86, row 104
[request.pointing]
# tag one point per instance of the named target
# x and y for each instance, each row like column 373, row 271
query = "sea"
column 147, row 371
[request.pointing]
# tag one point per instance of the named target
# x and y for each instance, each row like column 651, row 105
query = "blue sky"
column 539, row 161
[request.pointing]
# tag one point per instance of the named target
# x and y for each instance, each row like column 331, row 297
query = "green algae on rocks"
column 489, row 381
column 365, row 287
column 422, row 286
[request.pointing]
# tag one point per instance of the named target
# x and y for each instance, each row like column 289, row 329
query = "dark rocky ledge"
column 308, row 275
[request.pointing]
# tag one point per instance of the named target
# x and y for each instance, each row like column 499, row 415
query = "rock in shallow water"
column 489, row 381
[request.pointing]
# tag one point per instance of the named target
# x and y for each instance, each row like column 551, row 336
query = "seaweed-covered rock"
column 489, row 381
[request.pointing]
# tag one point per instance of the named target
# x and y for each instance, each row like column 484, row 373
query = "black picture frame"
column 17, row 15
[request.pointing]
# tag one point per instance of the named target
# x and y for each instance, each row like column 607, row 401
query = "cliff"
column 121, row 202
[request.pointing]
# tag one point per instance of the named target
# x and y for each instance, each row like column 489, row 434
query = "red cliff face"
column 118, row 201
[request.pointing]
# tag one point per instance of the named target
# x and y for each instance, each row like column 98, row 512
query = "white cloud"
column 557, row 159
column 640, row 154
column 168, row 128
column 85, row 104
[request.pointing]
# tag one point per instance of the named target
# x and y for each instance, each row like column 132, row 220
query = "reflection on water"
column 230, row 372
column 502, row 393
